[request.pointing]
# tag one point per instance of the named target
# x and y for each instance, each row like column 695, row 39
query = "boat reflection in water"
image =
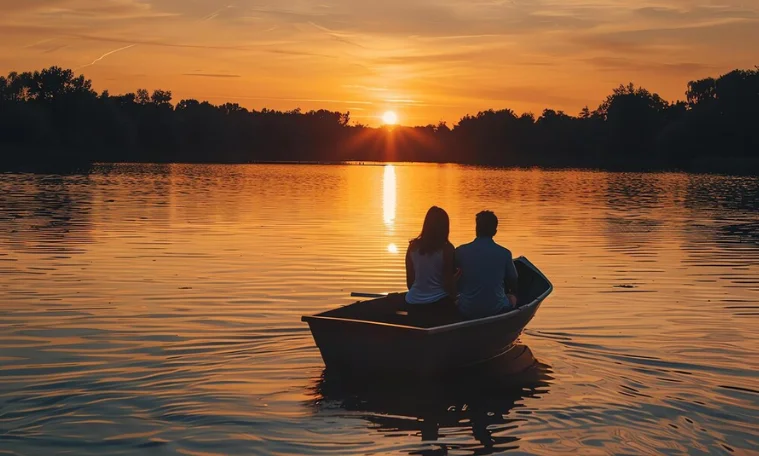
column 479, row 401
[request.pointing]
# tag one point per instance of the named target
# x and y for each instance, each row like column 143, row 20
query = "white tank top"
column 428, row 278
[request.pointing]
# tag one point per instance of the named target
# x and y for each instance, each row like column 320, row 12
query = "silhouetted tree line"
column 52, row 118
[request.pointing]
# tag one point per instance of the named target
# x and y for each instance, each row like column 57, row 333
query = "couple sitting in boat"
column 475, row 280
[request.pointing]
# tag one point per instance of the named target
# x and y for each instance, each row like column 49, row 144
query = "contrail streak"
column 106, row 55
column 336, row 35
column 216, row 13
column 39, row 42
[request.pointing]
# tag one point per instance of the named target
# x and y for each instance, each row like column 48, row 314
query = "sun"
column 390, row 118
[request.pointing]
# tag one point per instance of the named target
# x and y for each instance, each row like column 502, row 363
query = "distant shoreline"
column 53, row 120
column 749, row 167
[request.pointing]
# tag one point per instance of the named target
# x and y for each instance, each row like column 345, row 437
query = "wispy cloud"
column 297, row 100
column 341, row 37
column 109, row 53
column 39, row 43
column 170, row 44
column 628, row 64
column 216, row 13
column 299, row 53
column 55, row 48
column 212, row 75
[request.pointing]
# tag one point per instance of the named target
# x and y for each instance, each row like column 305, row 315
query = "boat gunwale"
column 453, row 326
column 309, row 319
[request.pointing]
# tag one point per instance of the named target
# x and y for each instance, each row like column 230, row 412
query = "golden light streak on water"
column 389, row 196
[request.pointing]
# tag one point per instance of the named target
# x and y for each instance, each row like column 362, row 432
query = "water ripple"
column 155, row 309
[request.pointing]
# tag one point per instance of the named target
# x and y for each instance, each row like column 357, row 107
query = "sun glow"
column 390, row 118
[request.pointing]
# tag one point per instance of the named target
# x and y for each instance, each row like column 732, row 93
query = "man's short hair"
column 487, row 224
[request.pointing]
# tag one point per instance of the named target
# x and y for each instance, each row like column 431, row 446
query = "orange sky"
column 427, row 60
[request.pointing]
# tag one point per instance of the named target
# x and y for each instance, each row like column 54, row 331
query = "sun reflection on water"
column 389, row 196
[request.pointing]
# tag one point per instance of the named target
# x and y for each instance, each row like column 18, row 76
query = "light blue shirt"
column 485, row 266
column 428, row 278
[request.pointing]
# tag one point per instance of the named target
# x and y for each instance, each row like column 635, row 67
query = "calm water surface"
column 156, row 310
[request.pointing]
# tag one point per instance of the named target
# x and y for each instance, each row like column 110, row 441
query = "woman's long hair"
column 435, row 232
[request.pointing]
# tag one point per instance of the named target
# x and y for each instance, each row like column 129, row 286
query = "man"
column 488, row 283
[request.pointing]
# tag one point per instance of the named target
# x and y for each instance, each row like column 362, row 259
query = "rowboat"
column 376, row 336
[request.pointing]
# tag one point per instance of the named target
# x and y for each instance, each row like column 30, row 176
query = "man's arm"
column 512, row 278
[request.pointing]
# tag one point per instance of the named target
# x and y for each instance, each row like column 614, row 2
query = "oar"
column 356, row 294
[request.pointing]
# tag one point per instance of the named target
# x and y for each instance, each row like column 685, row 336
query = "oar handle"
column 368, row 295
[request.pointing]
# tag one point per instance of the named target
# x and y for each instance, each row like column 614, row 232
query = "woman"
column 430, row 269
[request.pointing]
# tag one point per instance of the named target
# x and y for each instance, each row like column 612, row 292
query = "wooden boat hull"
column 370, row 337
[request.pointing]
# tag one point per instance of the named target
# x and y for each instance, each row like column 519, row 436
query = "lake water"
column 156, row 310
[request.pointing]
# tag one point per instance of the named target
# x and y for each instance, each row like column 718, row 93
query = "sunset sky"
column 426, row 60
